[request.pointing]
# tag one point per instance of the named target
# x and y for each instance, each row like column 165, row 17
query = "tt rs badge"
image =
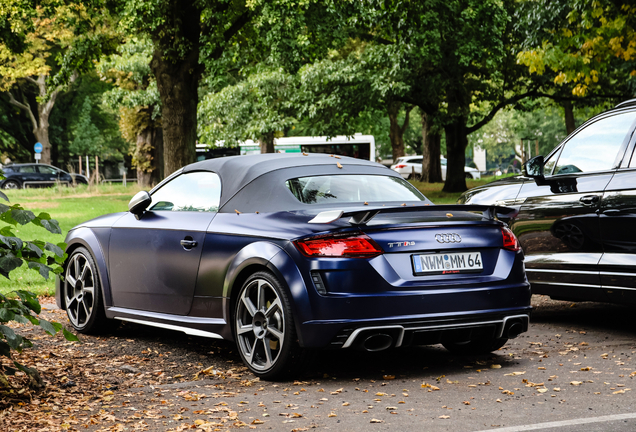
column 400, row 244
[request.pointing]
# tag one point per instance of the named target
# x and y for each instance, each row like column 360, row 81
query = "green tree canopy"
column 258, row 108
column 136, row 98
column 589, row 46
column 58, row 41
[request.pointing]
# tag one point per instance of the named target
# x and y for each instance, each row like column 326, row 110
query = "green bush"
column 40, row 256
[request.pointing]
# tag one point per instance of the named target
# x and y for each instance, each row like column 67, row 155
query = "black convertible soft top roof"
column 261, row 178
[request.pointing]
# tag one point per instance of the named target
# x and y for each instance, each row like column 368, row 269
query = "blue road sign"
column 38, row 147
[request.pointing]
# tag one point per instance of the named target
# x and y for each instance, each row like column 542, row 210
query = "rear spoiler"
column 363, row 216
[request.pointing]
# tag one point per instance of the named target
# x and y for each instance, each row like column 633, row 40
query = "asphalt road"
column 574, row 370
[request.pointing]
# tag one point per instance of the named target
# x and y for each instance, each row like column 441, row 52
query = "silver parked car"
column 410, row 167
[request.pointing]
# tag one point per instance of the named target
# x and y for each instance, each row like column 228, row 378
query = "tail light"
column 400, row 166
column 359, row 246
column 510, row 242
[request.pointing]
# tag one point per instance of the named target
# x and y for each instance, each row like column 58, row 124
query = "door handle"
column 589, row 199
column 188, row 243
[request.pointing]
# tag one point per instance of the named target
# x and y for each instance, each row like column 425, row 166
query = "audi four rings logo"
column 448, row 238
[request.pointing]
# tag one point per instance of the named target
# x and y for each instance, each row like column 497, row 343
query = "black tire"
column 83, row 295
column 11, row 184
column 264, row 332
column 482, row 345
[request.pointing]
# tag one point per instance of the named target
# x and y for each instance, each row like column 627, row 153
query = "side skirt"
column 195, row 326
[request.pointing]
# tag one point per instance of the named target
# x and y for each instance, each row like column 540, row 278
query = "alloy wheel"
column 260, row 324
column 80, row 290
column 10, row 184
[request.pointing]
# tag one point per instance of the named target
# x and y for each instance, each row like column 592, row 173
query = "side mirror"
column 534, row 168
column 139, row 203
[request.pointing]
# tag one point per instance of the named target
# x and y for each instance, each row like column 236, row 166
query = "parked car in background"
column 37, row 175
column 410, row 167
column 576, row 211
column 282, row 252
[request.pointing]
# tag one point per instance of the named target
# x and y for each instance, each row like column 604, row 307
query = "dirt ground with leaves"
column 576, row 361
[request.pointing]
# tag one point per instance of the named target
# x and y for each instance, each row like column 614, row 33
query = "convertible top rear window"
column 352, row 188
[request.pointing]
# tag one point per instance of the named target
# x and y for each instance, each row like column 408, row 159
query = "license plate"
column 447, row 263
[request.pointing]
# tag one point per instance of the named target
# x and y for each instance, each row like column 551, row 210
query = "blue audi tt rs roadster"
column 286, row 252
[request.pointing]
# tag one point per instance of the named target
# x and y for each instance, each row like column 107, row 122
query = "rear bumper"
column 422, row 333
column 421, row 329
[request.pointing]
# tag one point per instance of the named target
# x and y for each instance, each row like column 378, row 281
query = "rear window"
column 352, row 188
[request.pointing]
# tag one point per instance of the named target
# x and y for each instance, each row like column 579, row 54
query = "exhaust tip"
column 377, row 342
column 514, row 330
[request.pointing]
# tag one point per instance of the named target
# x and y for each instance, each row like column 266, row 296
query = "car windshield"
column 352, row 188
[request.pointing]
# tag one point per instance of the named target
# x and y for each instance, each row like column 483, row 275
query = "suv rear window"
column 352, row 188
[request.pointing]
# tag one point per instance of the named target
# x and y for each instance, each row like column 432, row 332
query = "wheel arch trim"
column 271, row 257
column 85, row 237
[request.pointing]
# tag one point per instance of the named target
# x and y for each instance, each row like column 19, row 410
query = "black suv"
column 576, row 217
column 37, row 175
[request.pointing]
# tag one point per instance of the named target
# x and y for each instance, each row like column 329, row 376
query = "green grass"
column 70, row 206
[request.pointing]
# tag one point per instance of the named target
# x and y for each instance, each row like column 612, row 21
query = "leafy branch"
column 41, row 256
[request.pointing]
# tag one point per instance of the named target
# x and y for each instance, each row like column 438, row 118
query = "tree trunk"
column 41, row 122
column 266, row 141
column 456, row 140
column 569, row 117
column 157, row 157
column 42, row 135
column 41, row 131
column 431, row 164
column 147, row 157
column 143, row 159
column 397, row 140
column 396, row 132
column 178, row 82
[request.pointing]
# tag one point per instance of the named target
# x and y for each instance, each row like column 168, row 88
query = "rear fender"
column 277, row 261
